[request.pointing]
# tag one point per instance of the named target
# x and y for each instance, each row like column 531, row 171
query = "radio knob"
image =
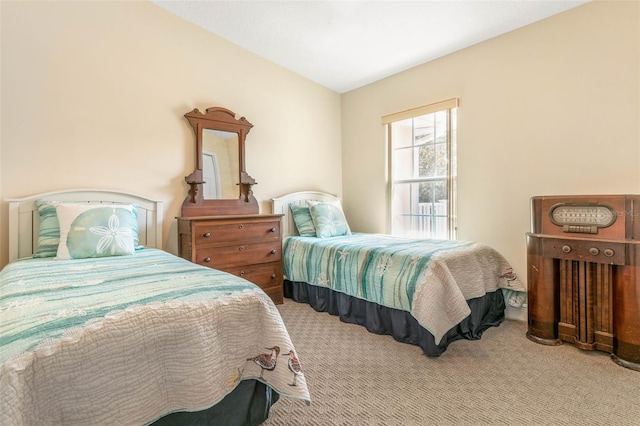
column 594, row 251
column 609, row 252
column 566, row 248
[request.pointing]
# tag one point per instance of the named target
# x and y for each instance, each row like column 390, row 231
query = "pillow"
column 96, row 230
column 328, row 218
column 49, row 234
column 302, row 219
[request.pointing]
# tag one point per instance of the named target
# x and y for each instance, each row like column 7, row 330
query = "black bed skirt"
column 486, row 311
column 247, row 405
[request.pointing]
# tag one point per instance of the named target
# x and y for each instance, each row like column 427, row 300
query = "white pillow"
column 96, row 230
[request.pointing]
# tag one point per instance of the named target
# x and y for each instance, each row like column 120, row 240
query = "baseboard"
column 519, row 314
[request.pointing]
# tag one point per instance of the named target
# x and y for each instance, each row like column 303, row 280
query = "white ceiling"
column 346, row 44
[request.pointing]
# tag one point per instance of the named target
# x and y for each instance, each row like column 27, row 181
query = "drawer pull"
column 207, row 234
column 273, row 251
column 609, row 252
column 242, row 273
column 240, row 226
column 273, row 229
column 207, row 259
column 594, row 251
column 273, row 276
column 566, row 248
column 241, row 248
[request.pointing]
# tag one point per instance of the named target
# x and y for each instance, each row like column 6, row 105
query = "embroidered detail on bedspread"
column 431, row 279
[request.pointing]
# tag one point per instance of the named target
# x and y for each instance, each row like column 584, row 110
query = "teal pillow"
column 96, row 230
column 49, row 235
column 329, row 219
column 302, row 219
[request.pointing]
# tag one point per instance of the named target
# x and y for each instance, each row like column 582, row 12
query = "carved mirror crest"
column 220, row 184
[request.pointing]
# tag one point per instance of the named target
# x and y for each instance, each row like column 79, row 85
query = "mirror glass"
column 220, row 165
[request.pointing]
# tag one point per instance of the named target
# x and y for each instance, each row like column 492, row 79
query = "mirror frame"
column 218, row 118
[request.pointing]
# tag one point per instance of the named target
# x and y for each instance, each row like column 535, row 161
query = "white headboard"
column 281, row 206
column 24, row 220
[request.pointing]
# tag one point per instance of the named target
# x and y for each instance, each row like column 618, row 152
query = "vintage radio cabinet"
column 583, row 256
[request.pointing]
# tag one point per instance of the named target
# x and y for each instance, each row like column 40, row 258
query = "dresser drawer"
column 207, row 233
column 239, row 254
column 265, row 276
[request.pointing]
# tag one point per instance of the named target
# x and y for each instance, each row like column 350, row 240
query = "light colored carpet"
column 359, row 378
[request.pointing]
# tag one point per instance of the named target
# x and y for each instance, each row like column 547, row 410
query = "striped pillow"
column 303, row 221
column 49, row 236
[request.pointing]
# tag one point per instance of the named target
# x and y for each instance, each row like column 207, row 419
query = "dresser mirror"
column 220, row 184
column 220, row 165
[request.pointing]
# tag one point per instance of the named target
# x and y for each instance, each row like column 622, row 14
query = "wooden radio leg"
column 626, row 313
column 543, row 297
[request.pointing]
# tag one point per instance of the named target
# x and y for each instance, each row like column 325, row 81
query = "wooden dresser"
column 583, row 255
column 249, row 246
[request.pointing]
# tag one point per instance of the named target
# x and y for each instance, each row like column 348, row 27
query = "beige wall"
column 551, row 108
column 94, row 93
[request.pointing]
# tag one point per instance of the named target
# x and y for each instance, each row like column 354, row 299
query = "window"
column 422, row 170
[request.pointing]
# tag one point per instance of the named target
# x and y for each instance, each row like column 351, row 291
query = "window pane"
column 424, row 129
column 403, row 163
column 441, row 126
column 420, row 210
column 441, row 160
column 427, row 161
column 402, row 133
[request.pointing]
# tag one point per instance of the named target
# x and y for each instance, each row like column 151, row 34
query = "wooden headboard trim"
column 24, row 220
column 280, row 205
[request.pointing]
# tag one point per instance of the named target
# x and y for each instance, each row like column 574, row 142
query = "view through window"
column 422, row 171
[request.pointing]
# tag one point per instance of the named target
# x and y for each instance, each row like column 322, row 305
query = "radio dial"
column 566, row 248
column 594, row 251
column 609, row 252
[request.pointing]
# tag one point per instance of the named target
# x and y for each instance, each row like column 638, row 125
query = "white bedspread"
column 134, row 365
column 452, row 278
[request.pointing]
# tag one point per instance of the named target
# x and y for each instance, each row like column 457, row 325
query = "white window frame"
column 388, row 120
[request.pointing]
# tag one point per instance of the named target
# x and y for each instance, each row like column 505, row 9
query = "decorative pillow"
column 49, row 236
column 328, row 218
column 96, row 230
column 303, row 220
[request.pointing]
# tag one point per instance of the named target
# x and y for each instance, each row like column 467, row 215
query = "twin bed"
column 424, row 292
column 130, row 338
column 116, row 331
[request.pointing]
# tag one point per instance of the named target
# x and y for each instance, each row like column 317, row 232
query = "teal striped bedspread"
column 431, row 279
column 74, row 333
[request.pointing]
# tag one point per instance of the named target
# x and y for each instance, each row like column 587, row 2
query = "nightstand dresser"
column 249, row 246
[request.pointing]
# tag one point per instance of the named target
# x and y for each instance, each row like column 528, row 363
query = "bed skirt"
column 247, row 405
column 486, row 311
